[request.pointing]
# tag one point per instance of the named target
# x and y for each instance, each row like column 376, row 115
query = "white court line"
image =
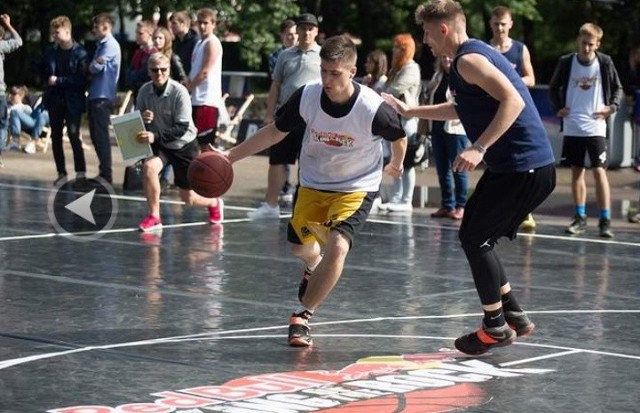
column 520, row 234
column 548, row 356
column 229, row 334
column 116, row 196
column 119, row 197
column 239, row 208
column 115, row 231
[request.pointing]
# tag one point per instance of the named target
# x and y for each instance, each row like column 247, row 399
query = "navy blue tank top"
column 514, row 55
column 525, row 144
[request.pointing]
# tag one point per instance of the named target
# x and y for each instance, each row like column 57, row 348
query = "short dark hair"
column 181, row 17
column 500, row 11
column 339, row 49
column 103, row 18
column 286, row 25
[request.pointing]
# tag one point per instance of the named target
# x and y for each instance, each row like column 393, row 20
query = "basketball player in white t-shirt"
column 340, row 170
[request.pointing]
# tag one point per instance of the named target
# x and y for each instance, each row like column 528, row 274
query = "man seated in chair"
column 22, row 117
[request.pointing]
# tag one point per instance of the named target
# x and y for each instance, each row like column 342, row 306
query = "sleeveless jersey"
column 525, row 144
column 340, row 154
column 514, row 55
column 584, row 97
column 209, row 91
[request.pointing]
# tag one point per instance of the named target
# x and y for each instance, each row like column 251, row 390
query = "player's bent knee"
column 151, row 168
column 338, row 244
column 301, row 251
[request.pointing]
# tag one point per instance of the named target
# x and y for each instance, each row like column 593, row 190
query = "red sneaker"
column 216, row 213
column 299, row 332
column 485, row 338
column 150, row 223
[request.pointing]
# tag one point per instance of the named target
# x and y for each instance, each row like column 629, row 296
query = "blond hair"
column 438, row 10
column 168, row 41
column 60, row 21
column 591, row 30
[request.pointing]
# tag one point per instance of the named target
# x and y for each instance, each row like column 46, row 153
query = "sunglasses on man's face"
column 159, row 69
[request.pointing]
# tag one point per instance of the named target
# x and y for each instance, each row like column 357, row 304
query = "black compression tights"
column 488, row 273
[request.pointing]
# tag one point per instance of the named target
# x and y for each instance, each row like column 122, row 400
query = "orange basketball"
column 210, row 174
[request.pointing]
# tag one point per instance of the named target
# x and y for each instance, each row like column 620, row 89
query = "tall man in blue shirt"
column 499, row 116
column 104, row 70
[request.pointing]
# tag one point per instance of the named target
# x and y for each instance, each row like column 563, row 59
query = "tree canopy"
column 548, row 27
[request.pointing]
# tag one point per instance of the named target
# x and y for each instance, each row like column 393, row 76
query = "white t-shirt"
column 584, row 97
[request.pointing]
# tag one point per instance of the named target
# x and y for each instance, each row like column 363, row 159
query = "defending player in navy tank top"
column 525, row 144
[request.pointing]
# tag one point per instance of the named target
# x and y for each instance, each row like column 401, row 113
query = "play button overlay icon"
column 82, row 206
column 80, row 211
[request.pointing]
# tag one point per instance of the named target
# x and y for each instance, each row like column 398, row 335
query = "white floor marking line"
column 370, row 219
column 548, row 356
column 118, row 196
column 583, row 350
column 520, row 234
column 233, row 334
column 578, row 239
column 35, row 236
column 117, row 230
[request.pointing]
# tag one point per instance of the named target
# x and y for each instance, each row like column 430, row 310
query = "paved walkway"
column 250, row 182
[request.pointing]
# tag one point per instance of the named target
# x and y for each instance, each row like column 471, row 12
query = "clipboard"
column 126, row 127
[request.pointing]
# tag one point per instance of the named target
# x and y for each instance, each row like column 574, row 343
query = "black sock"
column 494, row 318
column 509, row 302
column 303, row 312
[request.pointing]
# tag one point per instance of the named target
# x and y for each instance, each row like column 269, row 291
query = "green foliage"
column 258, row 23
column 549, row 27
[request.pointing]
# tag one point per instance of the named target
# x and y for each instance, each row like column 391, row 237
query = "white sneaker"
column 30, row 148
column 393, row 207
column 265, row 211
column 376, row 206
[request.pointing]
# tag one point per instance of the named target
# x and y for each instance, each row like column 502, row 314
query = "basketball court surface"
column 194, row 318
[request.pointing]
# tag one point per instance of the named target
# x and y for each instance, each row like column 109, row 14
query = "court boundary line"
column 238, row 220
column 222, row 335
column 371, row 218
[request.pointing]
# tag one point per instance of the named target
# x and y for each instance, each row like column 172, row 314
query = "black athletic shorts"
column 575, row 147
column 180, row 159
column 500, row 203
column 286, row 151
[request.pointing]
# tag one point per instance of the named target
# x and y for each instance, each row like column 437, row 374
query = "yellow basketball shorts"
column 316, row 213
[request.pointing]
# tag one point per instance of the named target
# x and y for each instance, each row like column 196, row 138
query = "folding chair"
column 236, row 107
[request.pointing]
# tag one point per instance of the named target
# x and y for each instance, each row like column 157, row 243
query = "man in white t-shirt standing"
column 585, row 90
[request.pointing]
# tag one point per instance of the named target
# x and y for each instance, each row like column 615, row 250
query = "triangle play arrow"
column 82, row 207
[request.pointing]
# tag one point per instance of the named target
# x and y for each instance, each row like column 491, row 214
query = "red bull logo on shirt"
column 331, row 138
